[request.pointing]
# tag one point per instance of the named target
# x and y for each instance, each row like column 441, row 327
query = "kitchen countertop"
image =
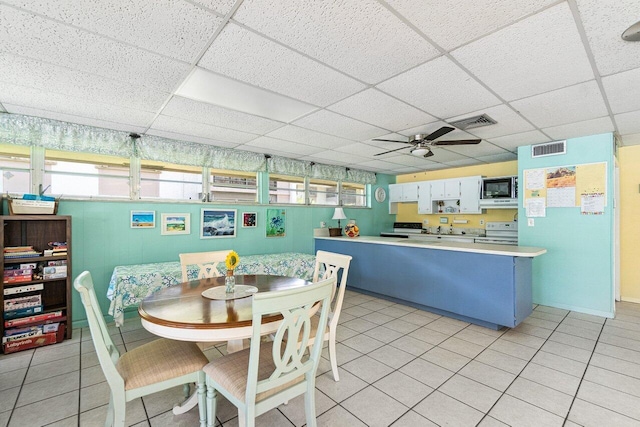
column 481, row 248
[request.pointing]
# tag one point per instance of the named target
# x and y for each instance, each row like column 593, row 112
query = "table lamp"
column 338, row 214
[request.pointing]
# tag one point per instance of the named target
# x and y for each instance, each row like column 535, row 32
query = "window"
column 85, row 175
column 15, row 166
column 286, row 189
column 233, row 186
column 323, row 192
column 353, row 194
column 160, row 180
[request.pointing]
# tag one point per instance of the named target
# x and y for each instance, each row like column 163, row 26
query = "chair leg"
column 109, row 421
column 119, row 411
column 202, row 406
column 333, row 357
column 186, row 390
column 211, row 405
column 310, row 404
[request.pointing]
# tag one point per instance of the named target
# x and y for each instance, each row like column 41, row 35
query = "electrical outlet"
column 444, row 220
column 530, row 222
column 425, row 222
column 482, row 222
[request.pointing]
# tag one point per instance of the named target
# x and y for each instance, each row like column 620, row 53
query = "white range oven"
column 500, row 233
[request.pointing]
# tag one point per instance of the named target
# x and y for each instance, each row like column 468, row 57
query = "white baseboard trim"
column 579, row 309
column 627, row 299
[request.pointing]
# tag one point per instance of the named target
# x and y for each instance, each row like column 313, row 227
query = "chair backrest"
column 106, row 350
column 296, row 306
column 333, row 263
column 207, row 263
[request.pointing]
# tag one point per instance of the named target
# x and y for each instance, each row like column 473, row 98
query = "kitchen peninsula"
column 489, row 285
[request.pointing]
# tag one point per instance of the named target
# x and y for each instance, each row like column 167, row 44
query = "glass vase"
column 230, row 282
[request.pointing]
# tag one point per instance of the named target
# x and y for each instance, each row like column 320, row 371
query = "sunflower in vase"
column 232, row 261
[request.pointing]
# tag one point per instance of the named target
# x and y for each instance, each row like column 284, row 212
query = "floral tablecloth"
column 130, row 284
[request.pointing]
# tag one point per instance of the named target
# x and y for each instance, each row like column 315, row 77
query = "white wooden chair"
column 333, row 263
column 207, row 263
column 268, row 374
column 152, row 367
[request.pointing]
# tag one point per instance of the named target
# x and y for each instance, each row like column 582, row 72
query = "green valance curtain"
column 26, row 130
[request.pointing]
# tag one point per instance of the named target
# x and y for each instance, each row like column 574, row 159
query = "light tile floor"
column 398, row 366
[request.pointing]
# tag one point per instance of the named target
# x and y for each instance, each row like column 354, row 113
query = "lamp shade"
column 338, row 214
column 419, row 151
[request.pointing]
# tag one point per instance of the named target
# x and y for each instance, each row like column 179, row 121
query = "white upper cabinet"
column 403, row 192
column 445, row 189
column 424, row 198
column 470, row 195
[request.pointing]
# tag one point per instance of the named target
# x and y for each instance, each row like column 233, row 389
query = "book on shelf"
column 13, row 290
column 18, row 255
column 17, row 279
column 17, row 249
column 56, row 262
column 21, row 330
column 31, row 342
column 23, row 302
column 54, row 316
column 21, row 312
column 32, row 333
column 55, row 272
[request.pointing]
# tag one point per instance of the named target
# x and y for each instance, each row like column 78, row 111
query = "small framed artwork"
column 218, row 223
column 276, row 222
column 143, row 219
column 249, row 219
column 175, row 223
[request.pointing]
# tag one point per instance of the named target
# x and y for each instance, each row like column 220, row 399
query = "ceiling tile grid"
column 538, row 54
column 317, row 81
column 248, row 57
column 360, row 38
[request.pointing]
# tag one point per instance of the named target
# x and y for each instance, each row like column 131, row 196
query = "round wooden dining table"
column 181, row 313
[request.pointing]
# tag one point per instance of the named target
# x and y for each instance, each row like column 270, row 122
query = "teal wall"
column 102, row 237
column 576, row 273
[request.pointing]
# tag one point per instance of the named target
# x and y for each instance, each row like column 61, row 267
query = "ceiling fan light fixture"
column 420, row 151
column 632, row 34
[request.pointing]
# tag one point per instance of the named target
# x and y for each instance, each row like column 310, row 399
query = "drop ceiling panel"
column 538, row 54
column 623, row 90
column 571, row 104
column 496, row 158
column 512, row 142
column 38, row 38
column 359, row 150
column 628, row 122
column 329, row 157
column 631, row 139
column 70, row 118
column 282, row 146
column 265, row 150
column 409, row 160
column 440, row 88
column 248, row 57
column 334, row 124
column 202, row 112
column 587, row 127
column 509, row 122
column 309, row 137
column 483, row 149
column 604, row 21
column 221, row 6
column 186, row 127
column 176, row 29
column 38, row 75
column 362, row 39
column 437, row 18
column 380, row 165
column 373, row 106
column 444, row 155
column 432, row 127
column 191, row 138
column 54, row 103
column 461, row 162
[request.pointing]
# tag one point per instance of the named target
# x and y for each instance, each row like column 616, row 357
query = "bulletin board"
column 583, row 186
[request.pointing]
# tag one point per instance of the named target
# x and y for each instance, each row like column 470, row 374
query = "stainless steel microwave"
column 500, row 187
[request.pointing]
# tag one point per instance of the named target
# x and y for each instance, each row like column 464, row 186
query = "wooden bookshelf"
column 37, row 231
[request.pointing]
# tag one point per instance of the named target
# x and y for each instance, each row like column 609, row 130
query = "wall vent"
column 549, row 149
column 473, row 122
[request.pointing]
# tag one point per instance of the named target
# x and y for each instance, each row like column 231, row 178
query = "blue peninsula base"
column 478, row 287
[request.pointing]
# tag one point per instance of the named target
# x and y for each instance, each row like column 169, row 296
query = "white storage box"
column 32, row 207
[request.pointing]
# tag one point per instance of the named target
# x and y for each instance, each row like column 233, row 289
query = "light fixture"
column 338, row 214
column 420, row 150
column 632, row 34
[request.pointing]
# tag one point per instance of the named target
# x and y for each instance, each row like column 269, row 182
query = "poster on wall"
column 217, row 223
column 175, row 223
column 275, row 222
column 249, row 219
column 143, row 219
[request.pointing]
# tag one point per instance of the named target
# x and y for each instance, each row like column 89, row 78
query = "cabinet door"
column 452, row 189
column 424, row 198
column 395, row 193
column 437, row 190
column 470, row 195
column 410, row 192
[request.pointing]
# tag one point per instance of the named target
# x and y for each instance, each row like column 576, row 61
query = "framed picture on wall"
column 143, row 219
column 276, row 222
column 249, row 219
column 175, row 223
column 218, row 223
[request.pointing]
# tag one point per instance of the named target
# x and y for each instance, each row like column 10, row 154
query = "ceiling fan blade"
column 391, row 151
column 390, row 140
column 429, row 154
column 457, row 142
column 437, row 134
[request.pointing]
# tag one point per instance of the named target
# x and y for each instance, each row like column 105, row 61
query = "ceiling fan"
column 422, row 142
